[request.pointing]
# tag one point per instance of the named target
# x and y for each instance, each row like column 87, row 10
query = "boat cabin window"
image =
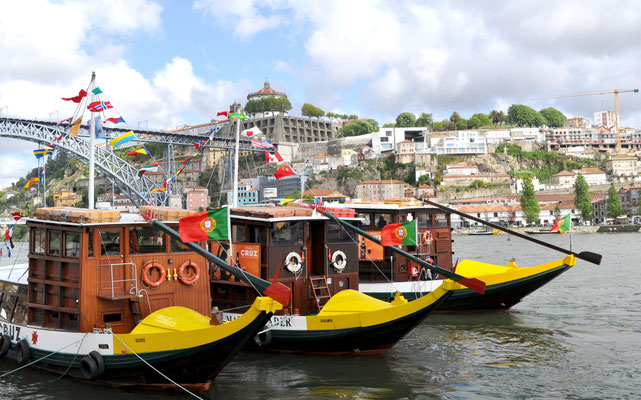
column 54, row 243
column 178, row 246
column 20, row 312
column 441, row 220
column 72, row 244
column 238, row 233
column 336, row 233
column 383, row 219
column 109, row 243
column 256, row 234
column 143, row 240
column 284, row 233
column 14, row 303
column 38, row 241
column 364, row 220
column 424, row 220
column 90, row 243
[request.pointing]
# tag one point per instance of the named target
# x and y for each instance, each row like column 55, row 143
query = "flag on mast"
column 563, row 224
column 399, row 234
column 205, row 225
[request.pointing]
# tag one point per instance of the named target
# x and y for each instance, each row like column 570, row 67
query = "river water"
column 579, row 337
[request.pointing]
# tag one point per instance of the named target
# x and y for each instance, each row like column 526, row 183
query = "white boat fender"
column 22, row 351
column 339, row 261
column 5, row 345
column 263, row 338
column 293, row 262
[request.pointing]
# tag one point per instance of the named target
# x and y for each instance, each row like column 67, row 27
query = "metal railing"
column 133, row 282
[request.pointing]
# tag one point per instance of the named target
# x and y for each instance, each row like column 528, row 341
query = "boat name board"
column 12, row 331
column 286, row 322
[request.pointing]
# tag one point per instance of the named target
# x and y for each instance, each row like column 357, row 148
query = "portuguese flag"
column 399, row 234
column 205, row 225
column 562, row 224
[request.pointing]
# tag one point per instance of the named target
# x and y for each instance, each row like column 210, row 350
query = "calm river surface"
column 578, row 337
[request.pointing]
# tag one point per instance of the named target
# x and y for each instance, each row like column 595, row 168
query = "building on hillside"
column 497, row 136
column 264, row 93
column 538, row 186
column 320, row 163
column 593, row 176
column 563, row 179
column 464, row 142
column 272, row 189
column 349, row 156
column 425, row 192
column 599, row 211
column 196, row 197
column 124, row 204
column 529, row 134
column 327, row 195
column 247, row 194
column 622, row 166
column 467, row 180
column 380, row 190
column 577, row 122
column 512, row 213
column 405, row 151
column 607, row 119
column 387, row 139
column 460, row 169
column 422, row 171
column 66, row 198
column 629, row 196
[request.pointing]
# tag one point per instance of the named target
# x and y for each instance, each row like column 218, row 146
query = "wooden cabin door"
column 316, row 252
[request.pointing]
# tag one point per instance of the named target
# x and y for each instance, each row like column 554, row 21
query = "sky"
column 164, row 64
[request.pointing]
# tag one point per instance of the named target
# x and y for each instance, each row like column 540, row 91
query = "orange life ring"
column 183, row 277
column 145, row 274
column 427, row 237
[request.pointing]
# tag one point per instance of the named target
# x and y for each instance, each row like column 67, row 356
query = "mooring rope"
column 72, row 361
column 155, row 369
column 41, row 358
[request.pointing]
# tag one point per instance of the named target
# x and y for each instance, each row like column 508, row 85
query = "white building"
column 387, row 139
column 460, row 169
column 538, row 186
column 497, row 136
column 522, row 133
column 605, row 118
column 593, row 176
column 464, row 142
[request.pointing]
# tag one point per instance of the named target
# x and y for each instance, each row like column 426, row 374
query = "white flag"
column 251, row 132
column 273, row 158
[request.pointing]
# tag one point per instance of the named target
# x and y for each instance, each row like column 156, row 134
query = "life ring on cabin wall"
column 293, row 262
column 426, row 237
column 146, row 272
column 339, row 261
column 182, row 275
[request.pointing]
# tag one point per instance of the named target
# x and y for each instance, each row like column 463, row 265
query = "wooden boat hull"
column 504, row 288
column 344, row 332
column 191, row 366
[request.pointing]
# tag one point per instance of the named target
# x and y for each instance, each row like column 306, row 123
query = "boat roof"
column 386, row 207
column 274, row 213
column 15, row 273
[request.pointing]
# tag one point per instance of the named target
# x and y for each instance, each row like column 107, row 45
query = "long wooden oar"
column 473, row 283
column 584, row 255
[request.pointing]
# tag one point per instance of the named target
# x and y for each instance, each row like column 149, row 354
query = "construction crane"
column 616, row 102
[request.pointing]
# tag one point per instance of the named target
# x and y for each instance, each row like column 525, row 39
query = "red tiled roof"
column 588, row 171
column 379, row 182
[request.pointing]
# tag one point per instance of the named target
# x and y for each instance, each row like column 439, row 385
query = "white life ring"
column 293, row 262
column 339, row 261
column 427, row 237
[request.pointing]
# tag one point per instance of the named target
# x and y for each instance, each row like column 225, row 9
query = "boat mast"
column 92, row 143
column 234, row 195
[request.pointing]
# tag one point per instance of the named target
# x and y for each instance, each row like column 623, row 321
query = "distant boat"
column 477, row 233
column 542, row 232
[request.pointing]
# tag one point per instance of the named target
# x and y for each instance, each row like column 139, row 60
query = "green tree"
column 405, row 120
column 556, row 212
column 281, row 104
column 521, row 115
column 455, row 117
column 424, row 180
column 437, row 126
column 359, row 128
column 613, row 206
column 582, row 199
column 553, row 117
column 448, row 125
column 424, row 120
column 485, row 120
column 389, row 125
column 461, row 124
column 498, row 117
column 474, row 122
column 529, row 204
column 352, row 117
column 309, row 110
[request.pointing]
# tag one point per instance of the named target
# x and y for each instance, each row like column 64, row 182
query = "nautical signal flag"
column 75, row 127
column 273, row 158
column 284, row 171
column 17, row 215
column 399, row 234
column 122, row 139
column 562, row 224
column 162, row 189
column 96, row 90
column 33, row 180
column 98, row 106
column 205, row 225
column 251, row 132
column 39, row 153
column 211, row 134
column 223, row 113
column 142, row 151
column 148, row 168
column 64, row 120
column 265, row 144
column 76, row 99
column 115, row 120
column 200, row 143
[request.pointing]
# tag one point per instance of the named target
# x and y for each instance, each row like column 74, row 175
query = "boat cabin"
column 311, row 254
column 102, row 269
column 378, row 264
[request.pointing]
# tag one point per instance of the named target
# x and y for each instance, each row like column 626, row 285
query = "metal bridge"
column 119, row 171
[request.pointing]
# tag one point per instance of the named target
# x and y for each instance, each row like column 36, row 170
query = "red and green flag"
column 562, row 224
column 205, row 225
column 401, row 234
